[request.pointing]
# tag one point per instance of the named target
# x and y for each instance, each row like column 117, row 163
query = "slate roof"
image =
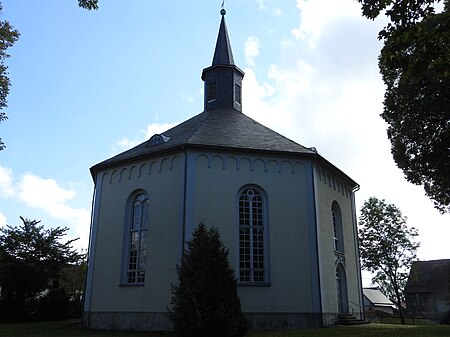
column 223, row 54
column 428, row 276
column 219, row 128
column 376, row 297
column 224, row 129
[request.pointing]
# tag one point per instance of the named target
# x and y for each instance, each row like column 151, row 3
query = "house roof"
column 376, row 297
column 221, row 126
column 428, row 276
column 218, row 129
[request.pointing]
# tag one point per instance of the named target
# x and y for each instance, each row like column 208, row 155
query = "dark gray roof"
column 223, row 54
column 219, row 129
column 428, row 276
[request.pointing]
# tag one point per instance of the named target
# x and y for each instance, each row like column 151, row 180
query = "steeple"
column 223, row 79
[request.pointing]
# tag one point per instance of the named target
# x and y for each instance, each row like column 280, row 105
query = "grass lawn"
column 67, row 329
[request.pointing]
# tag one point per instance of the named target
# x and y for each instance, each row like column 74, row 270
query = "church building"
column 286, row 214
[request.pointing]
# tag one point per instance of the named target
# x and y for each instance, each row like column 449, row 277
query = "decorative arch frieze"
column 333, row 182
column 141, row 168
column 252, row 163
column 138, row 170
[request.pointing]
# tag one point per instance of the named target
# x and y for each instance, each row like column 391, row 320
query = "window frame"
column 262, row 217
column 141, row 238
column 338, row 230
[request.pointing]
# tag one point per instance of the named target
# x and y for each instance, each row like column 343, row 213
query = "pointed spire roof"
column 223, row 79
column 223, row 55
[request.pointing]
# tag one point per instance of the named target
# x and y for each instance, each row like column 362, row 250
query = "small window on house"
column 237, row 93
column 212, row 91
column 158, row 139
column 338, row 236
column 137, row 240
column 252, row 238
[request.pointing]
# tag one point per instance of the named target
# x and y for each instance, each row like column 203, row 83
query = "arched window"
column 252, row 246
column 137, row 239
column 338, row 236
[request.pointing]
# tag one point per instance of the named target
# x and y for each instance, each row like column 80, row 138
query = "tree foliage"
column 387, row 246
column 88, row 4
column 8, row 36
column 415, row 66
column 31, row 257
column 205, row 301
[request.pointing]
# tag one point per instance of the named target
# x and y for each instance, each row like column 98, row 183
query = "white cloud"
column 2, row 220
column 251, row 50
column 316, row 15
column 329, row 95
column 261, row 4
column 48, row 196
column 6, row 179
column 42, row 193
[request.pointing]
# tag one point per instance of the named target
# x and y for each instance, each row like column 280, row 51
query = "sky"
column 87, row 85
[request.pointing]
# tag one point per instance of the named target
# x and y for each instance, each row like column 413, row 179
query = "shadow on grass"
column 72, row 329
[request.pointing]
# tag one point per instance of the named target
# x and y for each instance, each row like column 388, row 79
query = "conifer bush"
column 205, row 301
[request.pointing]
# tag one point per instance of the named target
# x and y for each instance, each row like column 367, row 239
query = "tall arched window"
column 338, row 236
column 252, row 247
column 137, row 239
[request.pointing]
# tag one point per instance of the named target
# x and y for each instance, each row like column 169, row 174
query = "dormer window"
column 158, row 139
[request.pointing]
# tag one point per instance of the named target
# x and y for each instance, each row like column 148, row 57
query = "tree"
column 30, row 257
column 88, row 4
column 205, row 301
column 415, row 67
column 8, row 36
column 387, row 247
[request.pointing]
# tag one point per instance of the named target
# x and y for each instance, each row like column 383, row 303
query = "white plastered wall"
column 329, row 188
column 162, row 180
column 220, row 177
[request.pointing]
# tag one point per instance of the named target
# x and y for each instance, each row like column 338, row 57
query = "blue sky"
column 88, row 85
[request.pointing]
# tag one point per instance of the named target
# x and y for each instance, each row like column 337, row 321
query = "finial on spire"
column 223, row 11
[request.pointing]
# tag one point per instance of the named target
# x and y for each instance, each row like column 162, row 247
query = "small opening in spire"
column 237, row 93
column 212, row 91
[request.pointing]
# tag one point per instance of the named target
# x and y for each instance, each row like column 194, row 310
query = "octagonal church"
column 286, row 214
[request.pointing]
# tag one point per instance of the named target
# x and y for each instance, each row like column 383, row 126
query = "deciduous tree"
column 8, row 36
column 205, row 301
column 415, row 66
column 387, row 246
column 30, row 257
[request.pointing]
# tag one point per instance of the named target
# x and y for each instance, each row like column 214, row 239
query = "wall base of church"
column 283, row 321
column 159, row 321
column 133, row 321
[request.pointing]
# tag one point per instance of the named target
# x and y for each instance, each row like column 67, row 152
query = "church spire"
column 223, row 80
column 223, row 53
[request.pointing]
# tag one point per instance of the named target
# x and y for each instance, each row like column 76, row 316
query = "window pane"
column 145, row 206
column 137, row 249
column 136, row 215
column 251, row 237
column 141, row 276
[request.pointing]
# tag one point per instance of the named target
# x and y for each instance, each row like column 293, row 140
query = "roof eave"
column 186, row 146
